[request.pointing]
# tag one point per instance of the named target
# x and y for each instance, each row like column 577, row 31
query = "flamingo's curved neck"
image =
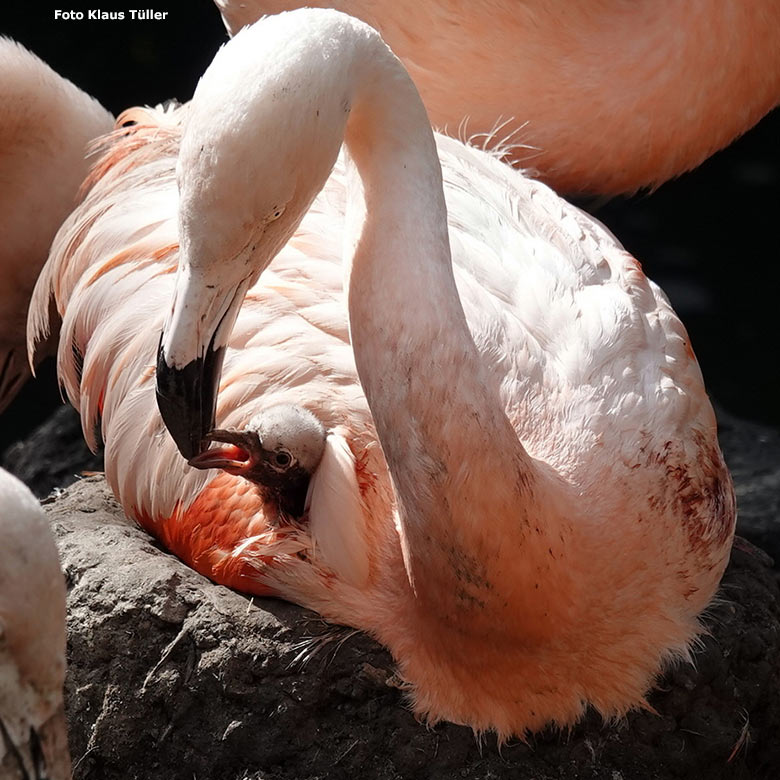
column 461, row 477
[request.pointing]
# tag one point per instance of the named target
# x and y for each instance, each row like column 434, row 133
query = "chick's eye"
column 282, row 458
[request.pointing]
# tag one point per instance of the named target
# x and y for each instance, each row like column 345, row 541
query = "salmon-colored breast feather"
column 530, row 510
column 595, row 95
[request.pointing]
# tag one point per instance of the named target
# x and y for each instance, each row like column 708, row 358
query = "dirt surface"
column 172, row 676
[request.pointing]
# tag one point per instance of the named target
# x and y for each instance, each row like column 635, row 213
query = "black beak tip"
column 186, row 398
column 175, row 390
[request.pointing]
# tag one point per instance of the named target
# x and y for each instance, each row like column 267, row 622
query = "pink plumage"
column 535, row 510
column 46, row 124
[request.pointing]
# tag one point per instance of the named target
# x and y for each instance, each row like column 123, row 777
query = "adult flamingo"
column 33, row 740
column 601, row 96
column 46, row 124
column 548, row 512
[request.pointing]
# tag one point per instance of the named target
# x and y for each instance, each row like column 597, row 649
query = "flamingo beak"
column 187, row 398
column 190, row 355
column 43, row 755
column 53, row 740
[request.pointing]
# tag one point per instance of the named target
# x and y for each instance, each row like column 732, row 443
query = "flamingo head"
column 259, row 142
column 279, row 450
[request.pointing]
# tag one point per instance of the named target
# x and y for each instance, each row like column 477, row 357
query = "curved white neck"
column 456, row 463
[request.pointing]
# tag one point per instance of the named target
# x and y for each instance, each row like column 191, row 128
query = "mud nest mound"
column 172, row 676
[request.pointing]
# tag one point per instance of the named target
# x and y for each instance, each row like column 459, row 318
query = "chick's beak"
column 236, row 452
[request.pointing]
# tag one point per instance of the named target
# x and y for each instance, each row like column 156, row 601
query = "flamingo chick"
column 603, row 97
column 279, row 451
column 520, row 491
column 33, row 739
column 46, row 124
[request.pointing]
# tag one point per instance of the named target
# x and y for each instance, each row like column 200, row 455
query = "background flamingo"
column 45, row 125
column 33, row 741
column 603, row 97
column 429, row 565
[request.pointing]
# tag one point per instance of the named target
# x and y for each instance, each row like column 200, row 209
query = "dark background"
column 707, row 238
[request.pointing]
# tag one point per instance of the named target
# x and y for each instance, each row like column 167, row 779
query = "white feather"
column 336, row 514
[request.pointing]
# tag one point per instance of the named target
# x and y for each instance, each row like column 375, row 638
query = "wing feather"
column 336, row 519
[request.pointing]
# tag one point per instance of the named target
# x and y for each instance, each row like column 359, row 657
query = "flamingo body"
column 33, row 740
column 46, row 124
column 521, row 492
column 602, row 97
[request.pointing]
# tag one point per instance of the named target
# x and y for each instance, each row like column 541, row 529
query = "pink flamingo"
column 45, row 126
column 491, row 449
column 595, row 95
column 33, row 738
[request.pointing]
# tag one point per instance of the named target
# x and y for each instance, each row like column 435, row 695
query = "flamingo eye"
column 282, row 459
